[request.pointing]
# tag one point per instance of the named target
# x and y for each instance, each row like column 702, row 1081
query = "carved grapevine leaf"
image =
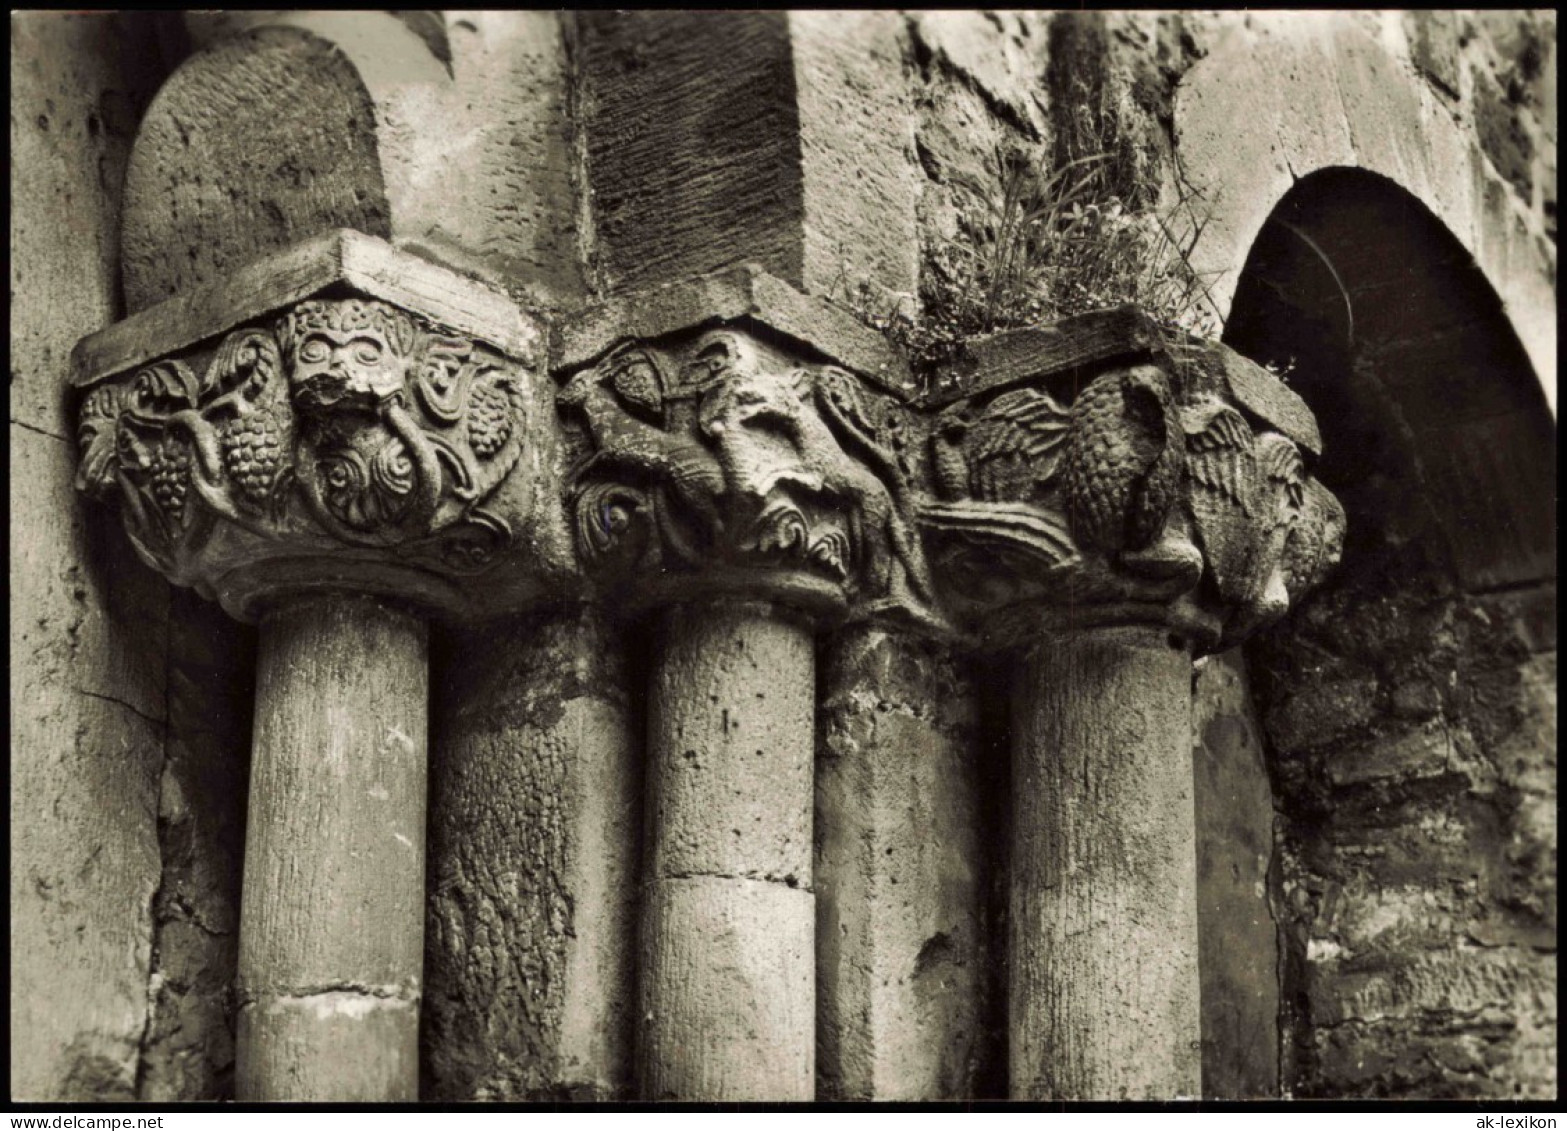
column 96, row 436
column 383, row 429
column 445, row 372
column 164, row 388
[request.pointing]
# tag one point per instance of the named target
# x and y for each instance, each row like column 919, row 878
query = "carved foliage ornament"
column 344, row 421
column 1125, row 486
column 1149, row 494
column 723, row 455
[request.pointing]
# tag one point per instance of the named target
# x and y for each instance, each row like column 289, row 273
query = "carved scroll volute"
column 1142, row 490
column 333, row 431
column 714, row 461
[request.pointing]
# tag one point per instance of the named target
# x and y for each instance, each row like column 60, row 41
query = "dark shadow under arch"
column 1408, row 705
column 1434, row 423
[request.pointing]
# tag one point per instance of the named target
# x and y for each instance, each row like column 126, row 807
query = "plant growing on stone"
column 1014, row 237
column 1041, row 246
column 1034, row 246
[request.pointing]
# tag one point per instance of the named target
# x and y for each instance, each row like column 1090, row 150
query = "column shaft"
column 535, row 820
column 1103, row 980
column 332, row 919
column 728, row 992
column 903, row 956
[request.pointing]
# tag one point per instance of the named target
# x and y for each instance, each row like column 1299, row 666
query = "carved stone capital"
column 344, row 416
column 724, row 460
column 1123, row 479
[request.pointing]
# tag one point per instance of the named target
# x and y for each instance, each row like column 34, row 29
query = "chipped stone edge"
column 1015, row 357
column 369, row 265
column 744, row 292
column 1011, row 357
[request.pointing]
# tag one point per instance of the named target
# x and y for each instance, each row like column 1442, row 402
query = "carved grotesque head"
column 348, row 355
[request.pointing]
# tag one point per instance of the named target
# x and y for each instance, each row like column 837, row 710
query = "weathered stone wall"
column 1409, row 729
column 89, row 694
column 1403, row 982
column 1326, row 91
column 1460, row 108
column 1413, row 734
column 1410, row 779
column 1498, row 71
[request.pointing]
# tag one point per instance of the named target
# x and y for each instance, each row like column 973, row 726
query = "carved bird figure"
column 616, row 400
column 1123, row 460
column 1247, row 492
column 1003, row 452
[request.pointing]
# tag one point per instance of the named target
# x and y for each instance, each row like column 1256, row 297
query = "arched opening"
column 1428, row 407
column 1408, row 706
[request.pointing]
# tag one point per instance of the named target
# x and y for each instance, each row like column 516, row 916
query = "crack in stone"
column 40, row 431
column 183, row 913
column 404, row 994
column 120, row 702
column 155, row 977
column 791, row 882
column 154, row 985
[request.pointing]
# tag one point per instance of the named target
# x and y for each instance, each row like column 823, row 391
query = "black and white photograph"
column 619, row 560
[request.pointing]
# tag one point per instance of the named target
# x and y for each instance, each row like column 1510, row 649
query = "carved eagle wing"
column 1282, row 464
column 1015, row 444
column 1218, row 450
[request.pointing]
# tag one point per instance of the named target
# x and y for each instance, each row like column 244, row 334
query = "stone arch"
column 1287, row 94
column 1408, row 706
column 1430, row 417
column 274, row 134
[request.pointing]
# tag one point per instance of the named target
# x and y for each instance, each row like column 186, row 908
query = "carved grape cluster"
column 489, row 420
column 255, row 454
column 168, row 474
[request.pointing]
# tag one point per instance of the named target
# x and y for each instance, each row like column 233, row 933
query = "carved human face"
column 345, row 370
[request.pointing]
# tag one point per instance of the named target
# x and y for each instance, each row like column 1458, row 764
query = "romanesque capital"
column 346, row 415
column 728, row 436
column 355, row 436
column 1097, row 472
column 719, row 460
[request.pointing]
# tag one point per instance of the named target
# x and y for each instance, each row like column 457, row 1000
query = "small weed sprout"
column 1281, row 370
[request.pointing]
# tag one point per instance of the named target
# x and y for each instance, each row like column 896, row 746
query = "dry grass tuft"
column 1034, row 246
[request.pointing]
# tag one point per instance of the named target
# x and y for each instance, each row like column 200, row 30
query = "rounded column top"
column 721, row 463
column 348, row 416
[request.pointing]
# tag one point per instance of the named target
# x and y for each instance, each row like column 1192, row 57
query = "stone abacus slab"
column 366, row 264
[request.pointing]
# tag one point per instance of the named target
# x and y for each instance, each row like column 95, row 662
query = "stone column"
column 905, row 843
column 744, row 494
column 332, row 921
column 1106, row 510
column 728, row 992
column 333, row 466
column 1103, row 976
column 535, row 824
